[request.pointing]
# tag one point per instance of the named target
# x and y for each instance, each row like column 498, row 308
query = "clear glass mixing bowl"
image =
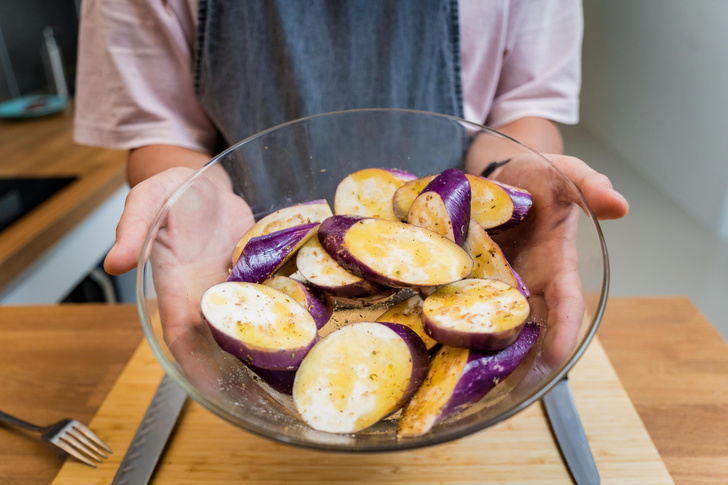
column 558, row 250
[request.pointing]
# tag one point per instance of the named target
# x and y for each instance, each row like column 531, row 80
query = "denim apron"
column 262, row 63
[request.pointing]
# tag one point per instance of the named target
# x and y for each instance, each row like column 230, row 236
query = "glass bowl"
column 558, row 250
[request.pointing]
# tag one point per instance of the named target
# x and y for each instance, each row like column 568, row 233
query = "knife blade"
column 146, row 448
column 566, row 425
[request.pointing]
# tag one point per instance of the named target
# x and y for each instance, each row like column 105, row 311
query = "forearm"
column 538, row 133
column 150, row 160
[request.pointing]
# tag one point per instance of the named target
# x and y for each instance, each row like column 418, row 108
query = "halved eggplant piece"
column 318, row 305
column 317, row 266
column 496, row 206
column 457, row 378
column 409, row 313
column 263, row 255
column 497, row 210
column 295, row 215
column 490, row 262
column 476, row 314
column 369, row 192
column 259, row 324
column 443, row 206
column 393, row 253
column 357, row 375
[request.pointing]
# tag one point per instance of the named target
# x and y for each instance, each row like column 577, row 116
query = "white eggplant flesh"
column 393, row 253
column 458, row 378
column 357, row 375
column 259, row 324
column 476, row 314
column 369, row 192
column 317, row 266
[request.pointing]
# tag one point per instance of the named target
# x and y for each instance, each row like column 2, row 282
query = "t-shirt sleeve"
column 134, row 82
column 541, row 71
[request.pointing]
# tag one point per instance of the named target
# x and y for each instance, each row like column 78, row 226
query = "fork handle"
column 4, row 417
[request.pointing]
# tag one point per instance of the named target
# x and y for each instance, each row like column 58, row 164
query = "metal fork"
column 69, row 435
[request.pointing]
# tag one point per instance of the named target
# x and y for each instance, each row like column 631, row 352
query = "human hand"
column 192, row 247
column 543, row 249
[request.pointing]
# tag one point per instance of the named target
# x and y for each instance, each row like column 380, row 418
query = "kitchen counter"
column 44, row 147
column 61, row 361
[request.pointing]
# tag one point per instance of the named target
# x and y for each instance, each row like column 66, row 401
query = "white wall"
column 655, row 91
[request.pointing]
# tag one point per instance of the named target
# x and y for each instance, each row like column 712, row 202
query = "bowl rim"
column 400, row 445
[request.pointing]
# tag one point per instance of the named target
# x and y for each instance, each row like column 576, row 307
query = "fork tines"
column 79, row 441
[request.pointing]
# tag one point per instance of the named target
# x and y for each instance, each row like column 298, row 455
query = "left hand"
column 543, row 248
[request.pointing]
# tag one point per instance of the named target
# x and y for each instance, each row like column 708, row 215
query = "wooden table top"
column 44, row 147
column 61, row 361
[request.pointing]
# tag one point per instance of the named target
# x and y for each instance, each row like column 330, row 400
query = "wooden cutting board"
column 204, row 449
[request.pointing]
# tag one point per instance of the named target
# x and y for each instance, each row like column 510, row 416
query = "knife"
column 567, row 427
column 146, row 448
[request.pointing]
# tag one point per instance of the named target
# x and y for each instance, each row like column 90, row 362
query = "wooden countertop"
column 61, row 361
column 44, row 147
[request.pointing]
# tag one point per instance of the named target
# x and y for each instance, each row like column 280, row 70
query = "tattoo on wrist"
column 490, row 168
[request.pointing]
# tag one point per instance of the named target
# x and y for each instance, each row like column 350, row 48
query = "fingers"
column 142, row 205
column 604, row 201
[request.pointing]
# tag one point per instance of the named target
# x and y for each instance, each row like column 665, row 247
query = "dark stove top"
column 19, row 196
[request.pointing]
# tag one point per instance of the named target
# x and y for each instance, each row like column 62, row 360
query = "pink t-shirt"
column 135, row 78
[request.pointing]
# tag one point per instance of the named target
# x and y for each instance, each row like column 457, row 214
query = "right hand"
column 192, row 246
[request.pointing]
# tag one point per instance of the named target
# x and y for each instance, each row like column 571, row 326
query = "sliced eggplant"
column 476, row 314
column 443, row 206
column 490, row 262
column 264, row 255
column 393, row 253
column 495, row 211
column 318, row 305
column 458, row 378
column 259, row 324
column 409, row 313
column 369, row 192
column 321, row 270
column 357, row 375
column 496, row 206
column 295, row 215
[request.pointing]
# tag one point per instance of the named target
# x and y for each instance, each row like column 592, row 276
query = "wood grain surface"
column 56, row 362
column 674, row 365
column 207, row 450
column 62, row 361
column 44, row 147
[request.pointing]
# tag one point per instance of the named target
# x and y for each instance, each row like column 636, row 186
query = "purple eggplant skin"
column 453, row 188
column 332, row 233
column 484, row 370
column 262, row 255
column 280, row 380
column 360, row 289
column 420, row 358
column 521, row 286
column 278, row 359
column 522, row 202
column 487, row 342
column 318, row 304
column 401, row 175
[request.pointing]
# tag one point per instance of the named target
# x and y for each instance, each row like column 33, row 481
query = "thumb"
column 141, row 207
